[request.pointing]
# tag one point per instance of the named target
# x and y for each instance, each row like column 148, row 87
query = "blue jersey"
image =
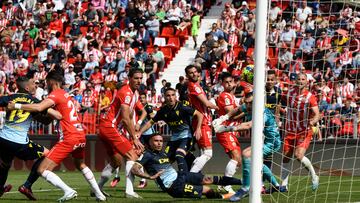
column 271, row 130
column 153, row 162
column 17, row 122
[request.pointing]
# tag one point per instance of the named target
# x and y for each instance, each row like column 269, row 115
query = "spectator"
column 89, row 67
column 153, row 25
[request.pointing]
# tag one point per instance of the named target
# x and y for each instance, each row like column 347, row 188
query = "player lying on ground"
column 272, row 143
column 72, row 137
column 14, row 140
column 178, row 117
column 177, row 184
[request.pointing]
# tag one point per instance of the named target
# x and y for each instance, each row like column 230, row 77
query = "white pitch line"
column 46, row 190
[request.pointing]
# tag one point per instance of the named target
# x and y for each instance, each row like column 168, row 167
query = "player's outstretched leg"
column 25, row 189
column 300, row 156
column 4, row 170
column 200, row 161
column 105, row 175
column 90, row 178
column 130, row 161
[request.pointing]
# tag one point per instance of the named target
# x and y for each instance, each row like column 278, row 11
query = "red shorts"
column 206, row 137
column 229, row 141
column 114, row 141
column 293, row 140
column 75, row 147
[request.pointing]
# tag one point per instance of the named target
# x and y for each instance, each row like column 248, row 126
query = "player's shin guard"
column 34, row 175
column 230, row 169
column 212, row 194
column 180, row 159
column 190, row 158
column 224, row 180
column 129, row 177
column 307, row 163
column 200, row 162
column 105, row 175
column 246, row 172
column 285, row 171
column 53, row 179
column 89, row 176
column 269, row 176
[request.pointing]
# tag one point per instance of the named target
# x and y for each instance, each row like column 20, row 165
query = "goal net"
column 321, row 40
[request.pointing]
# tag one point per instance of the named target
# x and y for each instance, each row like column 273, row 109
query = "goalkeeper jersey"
column 271, row 130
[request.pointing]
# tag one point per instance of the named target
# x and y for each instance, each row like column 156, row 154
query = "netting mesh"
column 319, row 39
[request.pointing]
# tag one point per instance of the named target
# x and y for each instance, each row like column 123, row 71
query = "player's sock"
column 4, row 171
column 285, row 171
column 190, row 158
column 269, row 176
column 307, row 163
column 117, row 172
column 55, row 180
column 105, row 175
column 200, row 162
column 180, row 159
column 230, row 169
column 224, row 180
column 246, row 172
column 89, row 176
column 34, row 175
column 129, row 177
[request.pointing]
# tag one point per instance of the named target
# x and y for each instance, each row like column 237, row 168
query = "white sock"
column 129, row 177
column 200, row 162
column 89, row 176
column 105, row 175
column 117, row 172
column 285, row 171
column 230, row 169
column 56, row 181
column 307, row 163
column 142, row 179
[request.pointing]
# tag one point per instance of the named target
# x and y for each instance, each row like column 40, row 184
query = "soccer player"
column 272, row 143
column 302, row 114
column 117, row 145
column 178, row 117
column 177, row 184
column 199, row 101
column 229, row 141
column 14, row 140
column 72, row 137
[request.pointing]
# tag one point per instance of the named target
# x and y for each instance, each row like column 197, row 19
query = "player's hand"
column 137, row 127
column 138, row 145
column 197, row 134
column 157, row 174
column 11, row 106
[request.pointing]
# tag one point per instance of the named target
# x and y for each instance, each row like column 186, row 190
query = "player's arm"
column 136, row 170
column 199, row 117
column 48, row 116
column 315, row 119
column 206, row 102
column 243, row 126
column 129, row 125
column 39, row 107
column 234, row 112
column 141, row 118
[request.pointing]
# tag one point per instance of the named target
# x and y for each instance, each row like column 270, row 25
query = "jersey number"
column 73, row 114
column 188, row 188
column 20, row 114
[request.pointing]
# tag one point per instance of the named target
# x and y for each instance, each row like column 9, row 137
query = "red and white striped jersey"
column 110, row 56
column 299, row 110
column 66, row 46
column 111, row 78
column 88, row 101
column 347, row 90
column 233, row 39
column 194, row 89
column 128, row 54
column 40, row 75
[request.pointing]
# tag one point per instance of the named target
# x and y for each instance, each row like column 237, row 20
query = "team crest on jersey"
column 177, row 113
column 227, row 101
column 127, row 99
column 197, row 90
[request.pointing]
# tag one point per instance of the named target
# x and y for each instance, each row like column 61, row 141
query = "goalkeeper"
column 272, row 143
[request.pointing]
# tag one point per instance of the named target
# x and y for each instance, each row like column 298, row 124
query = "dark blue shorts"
column 29, row 151
column 188, row 185
column 185, row 144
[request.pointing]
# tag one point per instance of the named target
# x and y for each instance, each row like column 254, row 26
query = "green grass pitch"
column 332, row 189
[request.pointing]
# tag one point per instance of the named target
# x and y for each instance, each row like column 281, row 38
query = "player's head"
column 301, row 80
column 26, row 85
column 227, row 81
column 135, row 78
column 193, row 73
column 142, row 98
column 156, row 142
column 54, row 79
column 248, row 101
column 170, row 96
column 271, row 79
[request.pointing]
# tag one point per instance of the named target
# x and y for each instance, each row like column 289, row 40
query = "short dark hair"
column 249, row 94
column 142, row 93
column 21, row 83
column 271, row 72
column 225, row 75
column 133, row 71
column 169, row 89
column 187, row 68
column 55, row 76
